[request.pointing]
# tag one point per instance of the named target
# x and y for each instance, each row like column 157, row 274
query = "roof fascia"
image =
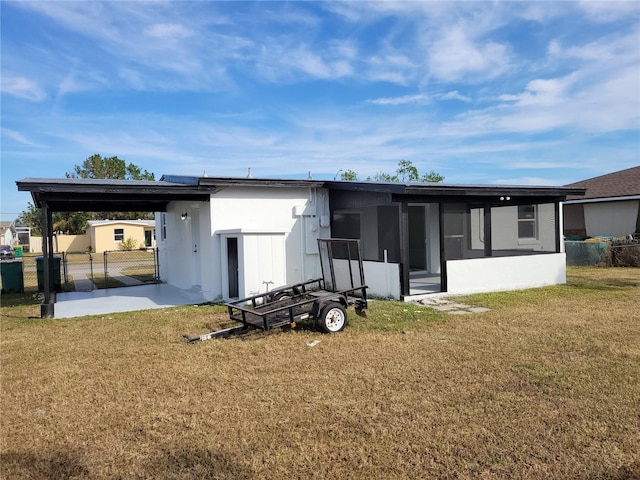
column 604, row 199
column 258, row 182
column 443, row 190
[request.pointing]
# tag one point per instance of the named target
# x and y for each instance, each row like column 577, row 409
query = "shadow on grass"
column 42, row 465
column 196, row 463
column 20, row 299
column 182, row 462
column 604, row 284
column 627, row 472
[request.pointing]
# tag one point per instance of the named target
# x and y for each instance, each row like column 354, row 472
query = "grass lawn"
column 544, row 385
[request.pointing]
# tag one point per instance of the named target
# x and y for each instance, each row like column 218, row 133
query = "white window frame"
column 163, row 227
column 115, row 235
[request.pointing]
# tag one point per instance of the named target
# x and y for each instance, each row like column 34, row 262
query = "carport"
column 97, row 195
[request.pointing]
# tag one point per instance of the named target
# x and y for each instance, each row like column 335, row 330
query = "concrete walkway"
column 125, row 299
column 452, row 308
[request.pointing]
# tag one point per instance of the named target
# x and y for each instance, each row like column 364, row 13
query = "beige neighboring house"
column 105, row 235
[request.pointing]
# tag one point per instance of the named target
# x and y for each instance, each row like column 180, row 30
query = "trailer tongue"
column 324, row 300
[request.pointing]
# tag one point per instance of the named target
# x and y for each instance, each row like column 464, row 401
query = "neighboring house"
column 7, row 233
column 233, row 237
column 106, row 235
column 610, row 206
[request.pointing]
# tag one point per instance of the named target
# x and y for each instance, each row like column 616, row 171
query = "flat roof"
column 104, row 195
column 81, row 194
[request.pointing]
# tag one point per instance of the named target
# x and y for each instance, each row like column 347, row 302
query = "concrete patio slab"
column 125, row 299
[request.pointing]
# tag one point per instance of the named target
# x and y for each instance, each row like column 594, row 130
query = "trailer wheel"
column 333, row 318
column 281, row 296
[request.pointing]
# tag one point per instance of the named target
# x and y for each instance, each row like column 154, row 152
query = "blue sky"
column 527, row 93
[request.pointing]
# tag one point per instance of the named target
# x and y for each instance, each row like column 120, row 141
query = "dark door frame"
column 233, row 267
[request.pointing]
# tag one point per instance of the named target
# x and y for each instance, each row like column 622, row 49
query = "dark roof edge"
column 184, row 184
column 433, row 189
column 258, row 182
column 47, row 185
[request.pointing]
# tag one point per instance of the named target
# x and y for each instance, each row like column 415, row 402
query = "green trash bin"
column 57, row 283
column 12, row 277
column 17, row 251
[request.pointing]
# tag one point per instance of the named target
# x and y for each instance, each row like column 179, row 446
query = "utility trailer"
column 324, row 300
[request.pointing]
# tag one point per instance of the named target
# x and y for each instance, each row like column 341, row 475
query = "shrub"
column 625, row 252
column 128, row 244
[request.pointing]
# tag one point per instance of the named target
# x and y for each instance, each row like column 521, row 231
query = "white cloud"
column 292, row 16
column 18, row 137
column 453, row 95
column 390, row 66
column 284, row 63
column 456, row 57
column 407, row 99
column 608, row 11
column 167, row 31
column 542, row 92
column 23, row 88
column 617, row 49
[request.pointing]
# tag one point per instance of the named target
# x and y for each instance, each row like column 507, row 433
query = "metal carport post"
column 47, row 307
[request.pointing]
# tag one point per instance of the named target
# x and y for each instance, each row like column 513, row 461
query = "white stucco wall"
column 186, row 252
column 382, row 279
column 505, row 273
column 611, row 219
column 276, row 229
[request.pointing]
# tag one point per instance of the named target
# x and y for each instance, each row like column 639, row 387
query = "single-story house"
column 233, row 237
column 7, row 233
column 106, row 235
column 610, row 206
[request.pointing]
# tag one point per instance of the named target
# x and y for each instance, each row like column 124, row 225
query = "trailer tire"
column 333, row 318
column 281, row 296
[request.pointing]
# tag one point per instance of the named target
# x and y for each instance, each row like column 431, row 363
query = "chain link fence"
column 128, row 268
column 83, row 271
column 603, row 253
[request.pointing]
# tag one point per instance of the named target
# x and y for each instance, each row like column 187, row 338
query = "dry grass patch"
column 545, row 385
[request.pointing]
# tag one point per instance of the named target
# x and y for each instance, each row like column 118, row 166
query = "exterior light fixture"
column 184, row 216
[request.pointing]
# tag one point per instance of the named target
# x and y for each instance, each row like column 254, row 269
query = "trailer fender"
column 319, row 304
